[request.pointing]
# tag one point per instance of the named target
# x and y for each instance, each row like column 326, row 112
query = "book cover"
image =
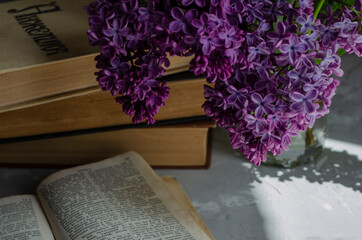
column 182, row 145
column 99, row 109
column 45, row 52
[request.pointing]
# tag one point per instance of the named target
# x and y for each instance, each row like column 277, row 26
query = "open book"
column 118, row 198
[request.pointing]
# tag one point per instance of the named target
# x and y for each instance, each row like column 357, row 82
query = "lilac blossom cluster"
column 131, row 38
column 270, row 65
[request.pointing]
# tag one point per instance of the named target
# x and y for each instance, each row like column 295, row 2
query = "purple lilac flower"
column 281, row 34
column 293, row 49
column 273, row 11
column 254, row 12
column 254, row 123
column 203, row 24
column 271, row 64
column 236, row 95
column 302, row 76
column 305, row 59
column 304, row 103
column 307, row 24
column 117, row 32
column 305, row 4
column 210, row 42
column 261, row 105
column 109, row 81
column 327, row 34
column 255, row 52
column 230, row 37
column 182, row 21
column 310, row 39
column 346, row 25
column 118, row 66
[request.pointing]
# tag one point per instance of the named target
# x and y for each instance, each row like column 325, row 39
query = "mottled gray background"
column 345, row 118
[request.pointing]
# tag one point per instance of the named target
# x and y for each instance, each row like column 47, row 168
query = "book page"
column 21, row 218
column 118, row 198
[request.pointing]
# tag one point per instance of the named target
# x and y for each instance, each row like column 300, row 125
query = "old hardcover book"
column 45, row 53
column 117, row 198
column 184, row 145
column 98, row 109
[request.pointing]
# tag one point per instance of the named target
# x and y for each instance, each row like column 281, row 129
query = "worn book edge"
column 179, row 194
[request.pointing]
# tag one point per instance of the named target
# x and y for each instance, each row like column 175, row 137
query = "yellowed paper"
column 120, row 197
column 21, row 217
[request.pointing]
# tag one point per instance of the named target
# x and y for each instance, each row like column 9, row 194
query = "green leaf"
column 341, row 51
column 318, row 61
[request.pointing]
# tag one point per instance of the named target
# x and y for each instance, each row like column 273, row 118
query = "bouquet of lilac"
column 271, row 64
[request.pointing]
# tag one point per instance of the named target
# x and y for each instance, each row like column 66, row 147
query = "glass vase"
column 305, row 148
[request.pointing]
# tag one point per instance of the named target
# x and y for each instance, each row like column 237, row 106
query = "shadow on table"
column 14, row 181
column 222, row 195
column 336, row 167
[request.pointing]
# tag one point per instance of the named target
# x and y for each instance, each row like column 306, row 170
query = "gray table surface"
column 240, row 201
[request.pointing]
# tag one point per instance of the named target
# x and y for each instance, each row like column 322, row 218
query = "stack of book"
column 53, row 112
